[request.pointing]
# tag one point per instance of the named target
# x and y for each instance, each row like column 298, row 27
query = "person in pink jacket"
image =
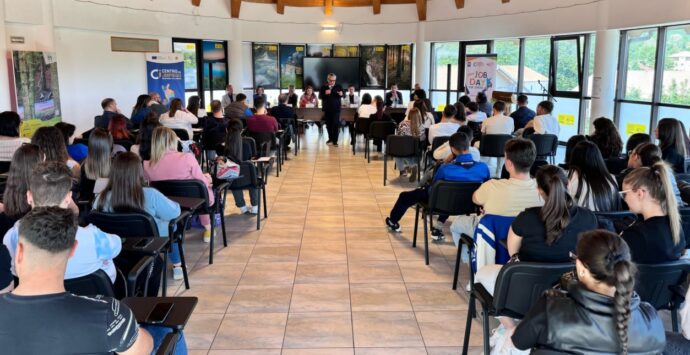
column 168, row 164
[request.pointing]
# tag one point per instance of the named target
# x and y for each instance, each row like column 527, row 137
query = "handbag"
column 227, row 169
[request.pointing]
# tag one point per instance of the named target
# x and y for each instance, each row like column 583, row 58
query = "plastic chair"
column 438, row 141
column 98, row 282
column 615, row 222
column 182, row 134
column 169, row 344
column 264, row 142
column 546, row 145
column 380, row 130
column 685, row 223
column 127, row 144
column 616, row 165
column 249, row 179
column 5, row 166
column 687, row 165
column 400, row 147
column 661, row 285
column 493, row 145
column 452, row 198
column 285, row 122
column 518, row 287
column 362, row 125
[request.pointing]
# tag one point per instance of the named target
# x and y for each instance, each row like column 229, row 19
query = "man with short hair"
column 544, row 122
column 351, row 99
column 110, row 109
column 229, row 96
column 498, row 123
column 523, row 114
column 393, row 97
column 416, row 88
column 238, row 109
column 331, row 96
column 463, row 168
column 261, row 122
column 504, row 197
column 445, row 154
column 215, row 128
column 283, row 110
column 156, row 105
column 475, row 115
column 447, row 126
column 39, row 317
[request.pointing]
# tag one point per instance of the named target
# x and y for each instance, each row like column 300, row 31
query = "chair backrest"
column 493, row 145
column 615, row 222
column 397, row 116
column 687, row 165
column 655, row 283
column 168, row 345
column 251, row 143
column 546, row 144
column 130, row 224
column 402, row 146
column 182, row 134
column 381, row 129
column 438, row 141
column 362, row 125
column 184, row 188
column 616, row 165
column 5, row 166
column 95, row 283
column 264, row 141
column 127, row 144
column 683, row 177
column 453, row 197
column 685, row 223
column 519, row 285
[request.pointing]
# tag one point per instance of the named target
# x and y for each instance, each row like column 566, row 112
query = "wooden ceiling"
column 329, row 4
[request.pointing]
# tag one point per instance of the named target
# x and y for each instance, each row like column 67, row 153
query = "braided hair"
column 607, row 257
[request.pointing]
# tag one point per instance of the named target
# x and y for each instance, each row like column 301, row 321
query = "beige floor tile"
column 473, row 350
column 319, row 330
column 268, row 274
column 212, row 298
column 372, row 235
column 197, row 352
column 386, row 351
column 233, row 254
column 251, row 331
column 329, row 351
column 417, row 271
column 316, row 234
column 261, row 299
column 320, row 298
column 379, row 297
column 274, row 253
column 245, row 352
column 435, row 297
column 280, row 236
column 386, row 329
column 446, row 328
column 323, row 253
column 370, row 251
column 321, row 273
column 201, row 330
column 374, row 272
column 227, row 274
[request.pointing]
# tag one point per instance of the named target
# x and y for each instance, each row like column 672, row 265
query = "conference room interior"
column 379, row 243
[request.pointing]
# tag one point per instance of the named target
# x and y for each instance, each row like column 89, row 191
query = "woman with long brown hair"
column 671, row 138
column 97, row 164
column 15, row 205
column 179, row 118
column 600, row 313
column 413, row 126
column 51, row 142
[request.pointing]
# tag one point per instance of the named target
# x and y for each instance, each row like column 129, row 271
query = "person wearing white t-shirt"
column 367, row 108
column 475, row 115
column 544, row 122
column 446, row 127
column 498, row 123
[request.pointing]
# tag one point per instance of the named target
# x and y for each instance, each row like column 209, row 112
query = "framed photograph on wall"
column 399, row 66
column 265, row 58
column 372, row 66
column 291, row 66
column 319, row 50
column 346, row 50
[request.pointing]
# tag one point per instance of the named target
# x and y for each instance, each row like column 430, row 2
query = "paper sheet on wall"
column 632, row 128
column 566, row 120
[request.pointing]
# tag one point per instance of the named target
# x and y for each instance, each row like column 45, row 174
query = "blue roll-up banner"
column 165, row 73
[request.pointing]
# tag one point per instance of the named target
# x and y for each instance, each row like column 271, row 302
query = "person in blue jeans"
column 125, row 192
column 462, row 168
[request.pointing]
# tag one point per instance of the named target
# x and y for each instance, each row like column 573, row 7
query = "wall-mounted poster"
column 399, row 66
column 215, row 70
column 373, row 66
column 346, row 51
column 36, row 94
column 291, row 67
column 265, row 57
column 165, row 75
column 320, row 50
column 480, row 74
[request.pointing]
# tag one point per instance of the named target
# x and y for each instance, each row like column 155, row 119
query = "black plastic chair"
column 685, row 223
column 182, row 134
column 438, row 141
column 546, row 145
column 615, row 222
column 687, row 165
column 683, row 177
column 264, row 142
column 518, row 287
column 289, row 122
column 196, row 189
column 476, row 128
column 98, row 282
column 380, row 130
column 362, row 125
column 493, row 145
column 125, row 143
column 661, row 285
column 451, row 198
column 400, row 147
column 249, row 179
column 169, row 344
column 5, row 166
column 616, row 165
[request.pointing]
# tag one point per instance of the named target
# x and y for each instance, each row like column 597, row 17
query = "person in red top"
column 261, row 122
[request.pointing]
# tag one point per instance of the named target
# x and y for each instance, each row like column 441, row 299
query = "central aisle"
column 324, row 276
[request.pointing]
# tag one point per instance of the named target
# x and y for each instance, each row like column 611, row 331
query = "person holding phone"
column 331, row 96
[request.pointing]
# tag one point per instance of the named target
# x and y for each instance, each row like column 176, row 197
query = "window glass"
column 476, row 49
column 676, row 80
column 188, row 50
column 588, row 116
column 438, row 100
column 590, row 70
column 641, row 63
column 567, row 66
column 681, row 114
column 634, row 118
column 567, row 111
column 536, row 67
column 508, row 52
column 442, row 55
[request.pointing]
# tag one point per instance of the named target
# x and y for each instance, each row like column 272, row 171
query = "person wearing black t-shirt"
column 39, row 317
column 672, row 138
column 659, row 237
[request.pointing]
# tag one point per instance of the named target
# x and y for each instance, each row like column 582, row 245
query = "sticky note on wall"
column 632, row 128
column 566, row 120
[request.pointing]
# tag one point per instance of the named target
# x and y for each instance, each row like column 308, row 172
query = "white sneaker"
column 244, row 209
column 255, row 210
column 177, row 273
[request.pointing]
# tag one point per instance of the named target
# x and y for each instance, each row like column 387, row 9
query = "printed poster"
column 372, row 67
column 165, row 75
column 480, row 74
column 399, row 66
column 291, row 69
column 265, row 57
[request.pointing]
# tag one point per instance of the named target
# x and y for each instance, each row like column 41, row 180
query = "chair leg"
column 258, row 216
column 368, row 152
column 221, row 206
column 165, row 273
column 674, row 320
column 184, row 263
column 213, row 227
column 385, row 168
column 456, row 275
column 416, row 223
column 485, row 330
column 419, row 172
column 426, row 238
column 263, row 189
column 468, row 325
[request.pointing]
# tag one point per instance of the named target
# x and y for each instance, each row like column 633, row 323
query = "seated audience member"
column 606, row 137
column 647, row 154
column 194, row 106
column 309, row 98
column 427, row 117
column 125, row 192
column 545, row 234
column 416, row 95
column 6, row 277
column 483, row 104
column 446, row 127
column 523, row 114
column 569, row 146
column 167, row 163
column 9, row 135
column 261, row 122
column 228, row 97
column 118, row 128
column 462, row 169
column 76, row 151
column 600, row 313
column 350, row 99
column 215, row 128
column 498, row 123
column 659, row 237
column 417, row 87
column 50, row 186
column 141, row 109
column 52, row 144
column 475, row 115
column 672, row 143
column 410, row 126
column 238, row 109
column 110, row 109
column 465, row 100
column 379, row 115
column 143, row 143
column 234, row 151
column 504, row 197
column 40, row 308
column 367, row 108
column 157, row 105
column 282, row 111
column 259, row 93
column 179, row 118
column 544, row 122
column 590, row 183
column 635, row 140
column 394, row 97
column 96, row 168
column 460, row 113
column 292, row 96
column 14, row 202
column 443, row 153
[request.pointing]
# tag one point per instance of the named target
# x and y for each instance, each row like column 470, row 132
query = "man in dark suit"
column 331, row 96
column 394, row 97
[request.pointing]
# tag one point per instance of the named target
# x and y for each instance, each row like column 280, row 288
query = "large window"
column 676, row 77
column 205, row 68
column 508, row 52
column 443, row 55
column 535, row 71
column 641, row 62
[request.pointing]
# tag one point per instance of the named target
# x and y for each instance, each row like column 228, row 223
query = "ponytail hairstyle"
column 556, row 210
column 586, row 161
column 607, row 257
column 175, row 105
column 656, row 179
column 648, row 153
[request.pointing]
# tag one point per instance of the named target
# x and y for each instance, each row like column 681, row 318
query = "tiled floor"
column 323, row 275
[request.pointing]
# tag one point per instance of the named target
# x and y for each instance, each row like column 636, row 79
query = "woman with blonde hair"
column 413, row 126
column 167, row 163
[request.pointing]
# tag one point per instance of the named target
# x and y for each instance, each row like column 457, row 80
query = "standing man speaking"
column 331, row 96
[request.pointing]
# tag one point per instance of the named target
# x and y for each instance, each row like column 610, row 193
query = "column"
column 235, row 53
column 4, row 79
column 421, row 75
column 605, row 69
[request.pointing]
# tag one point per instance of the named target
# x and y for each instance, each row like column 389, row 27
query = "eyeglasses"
column 572, row 256
column 623, row 193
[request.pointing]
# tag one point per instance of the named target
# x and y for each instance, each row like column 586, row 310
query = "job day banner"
column 165, row 74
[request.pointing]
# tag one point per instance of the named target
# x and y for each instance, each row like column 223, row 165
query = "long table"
column 315, row 114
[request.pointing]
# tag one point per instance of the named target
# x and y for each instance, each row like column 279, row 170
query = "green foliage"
column 676, row 93
column 446, row 53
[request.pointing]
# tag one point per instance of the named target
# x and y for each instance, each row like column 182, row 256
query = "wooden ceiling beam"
column 235, row 8
column 280, row 6
column 376, row 4
column 328, row 7
column 459, row 4
column 421, row 10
